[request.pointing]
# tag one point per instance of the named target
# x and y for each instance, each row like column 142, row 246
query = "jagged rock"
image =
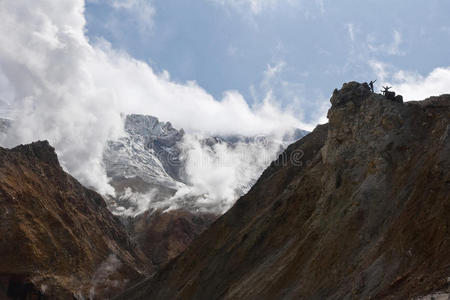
column 358, row 209
column 56, row 235
column 351, row 91
column 398, row 98
column 146, row 154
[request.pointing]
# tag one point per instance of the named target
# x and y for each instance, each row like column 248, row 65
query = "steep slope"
column 144, row 157
column 357, row 209
column 155, row 166
column 164, row 235
column 58, row 238
column 153, row 161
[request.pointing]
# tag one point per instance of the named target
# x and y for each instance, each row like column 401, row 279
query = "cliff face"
column 58, row 239
column 359, row 208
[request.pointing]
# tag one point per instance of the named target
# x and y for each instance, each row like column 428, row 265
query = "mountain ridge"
column 59, row 240
column 363, row 214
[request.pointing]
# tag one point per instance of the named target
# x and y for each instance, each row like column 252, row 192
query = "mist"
column 72, row 91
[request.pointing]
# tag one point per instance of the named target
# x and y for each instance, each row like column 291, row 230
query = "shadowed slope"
column 363, row 213
column 57, row 237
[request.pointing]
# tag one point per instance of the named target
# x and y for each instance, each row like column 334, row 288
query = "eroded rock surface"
column 57, row 238
column 357, row 209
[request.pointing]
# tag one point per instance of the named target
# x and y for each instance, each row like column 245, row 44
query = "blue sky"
column 300, row 50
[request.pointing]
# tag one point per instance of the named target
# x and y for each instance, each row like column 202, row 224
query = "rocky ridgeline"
column 364, row 214
column 58, row 239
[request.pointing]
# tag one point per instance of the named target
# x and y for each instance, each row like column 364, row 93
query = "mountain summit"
column 58, row 239
column 359, row 208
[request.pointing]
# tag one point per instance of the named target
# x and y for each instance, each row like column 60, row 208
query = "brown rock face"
column 164, row 235
column 57, row 238
column 357, row 209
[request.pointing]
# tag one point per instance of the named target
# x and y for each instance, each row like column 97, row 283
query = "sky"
column 70, row 69
column 300, row 50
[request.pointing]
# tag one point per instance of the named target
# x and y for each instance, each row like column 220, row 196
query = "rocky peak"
column 150, row 128
column 358, row 209
column 40, row 150
column 56, row 235
column 351, row 91
column 359, row 116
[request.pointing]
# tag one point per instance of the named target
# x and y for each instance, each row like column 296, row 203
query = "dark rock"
column 56, row 235
column 352, row 91
column 164, row 235
column 365, row 216
column 398, row 98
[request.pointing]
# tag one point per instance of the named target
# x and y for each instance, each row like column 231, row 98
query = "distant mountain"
column 142, row 161
column 364, row 214
column 150, row 161
column 150, row 167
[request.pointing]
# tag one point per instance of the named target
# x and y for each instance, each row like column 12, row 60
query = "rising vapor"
column 72, row 91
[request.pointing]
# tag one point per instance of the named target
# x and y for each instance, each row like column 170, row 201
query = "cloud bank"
column 72, row 91
column 413, row 85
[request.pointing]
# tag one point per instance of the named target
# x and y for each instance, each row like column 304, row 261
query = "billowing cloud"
column 412, row 85
column 72, row 92
column 224, row 172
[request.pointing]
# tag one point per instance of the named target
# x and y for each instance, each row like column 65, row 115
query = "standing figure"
column 385, row 90
column 371, row 85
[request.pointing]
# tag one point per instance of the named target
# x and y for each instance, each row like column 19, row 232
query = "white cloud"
column 273, row 70
column 139, row 11
column 413, row 85
column 392, row 48
column 231, row 170
column 256, row 6
column 351, row 31
column 143, row 10
column 321, row 6
column 380, row 69
column 72, row 92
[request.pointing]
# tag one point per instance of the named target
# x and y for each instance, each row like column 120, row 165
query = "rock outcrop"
column 57, row 238
column 357, row 209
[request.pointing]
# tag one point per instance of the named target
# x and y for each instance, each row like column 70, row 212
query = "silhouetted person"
column 371, row 85
column 386, row 89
